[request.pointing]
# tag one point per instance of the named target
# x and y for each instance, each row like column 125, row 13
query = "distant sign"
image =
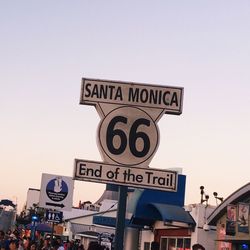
column 132, row 94
column 106, row 239
column 123, row 175
column 54, row 216
column 56, row 192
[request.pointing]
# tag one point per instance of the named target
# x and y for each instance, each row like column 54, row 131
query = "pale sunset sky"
column 48, row 46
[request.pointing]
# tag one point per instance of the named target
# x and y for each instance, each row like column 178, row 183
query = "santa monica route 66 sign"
column 128, row 134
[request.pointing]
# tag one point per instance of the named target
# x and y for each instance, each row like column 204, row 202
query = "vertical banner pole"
column 33, row 232
column 121, row 216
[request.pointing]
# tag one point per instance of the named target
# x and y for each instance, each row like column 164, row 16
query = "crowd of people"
column 13, row 241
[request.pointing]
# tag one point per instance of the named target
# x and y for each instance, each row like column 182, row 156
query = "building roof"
column 170, row 213
column 240, row 195
column 89, row 229
column 162, row 212
column 76, row 213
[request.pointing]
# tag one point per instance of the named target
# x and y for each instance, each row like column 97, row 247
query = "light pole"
column 217, row 198
column 204, row 195
column 34, row 220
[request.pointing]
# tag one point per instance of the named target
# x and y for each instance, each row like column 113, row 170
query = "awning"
column 170, row 213
column 162, row 212
column 40, row 227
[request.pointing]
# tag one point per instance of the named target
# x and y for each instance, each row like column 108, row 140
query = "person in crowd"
column 33, row 246
column 3, row 242
column 198, row 247
column 72, row 245
column 60, row 244
column 13, row 244
column 20, row 245
column 56, row 245
column 40, row 243
column 46, row 244
column 66, row 245
column 26, row 243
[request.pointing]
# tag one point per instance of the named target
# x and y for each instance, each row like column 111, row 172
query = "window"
column 164, row 242
column 175, row 244
column 187, row 243
column 171, row 244
column 180, row 243
column 146, row 246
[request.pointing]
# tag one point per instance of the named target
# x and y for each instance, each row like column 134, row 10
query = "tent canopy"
column 41, row 227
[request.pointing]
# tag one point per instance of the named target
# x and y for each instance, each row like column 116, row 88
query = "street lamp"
column 34, row 220
column 217, row 198
column 204, row 197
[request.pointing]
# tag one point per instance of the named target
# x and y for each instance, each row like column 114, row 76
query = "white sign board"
column 132, row 94
column 56, row 192
column 93, row 171
column 128, row 135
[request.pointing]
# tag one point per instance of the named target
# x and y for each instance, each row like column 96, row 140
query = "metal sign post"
column 128, row 137
column 121, row 216
column 52, row 233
